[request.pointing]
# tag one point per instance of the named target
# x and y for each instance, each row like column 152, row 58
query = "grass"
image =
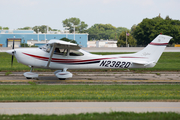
column 8, row 73
column 32, row 83
column 48, row 93
column 98, row 116
column 169, row 61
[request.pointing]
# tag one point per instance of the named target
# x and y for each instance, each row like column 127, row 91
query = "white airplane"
column 61, row 55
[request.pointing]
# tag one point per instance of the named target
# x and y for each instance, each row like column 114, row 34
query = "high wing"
column 63, row 45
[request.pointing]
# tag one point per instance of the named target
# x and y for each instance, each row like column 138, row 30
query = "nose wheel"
column 30, row 75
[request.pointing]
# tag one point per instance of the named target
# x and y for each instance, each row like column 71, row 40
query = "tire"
column 28, row 78
column 62, row 78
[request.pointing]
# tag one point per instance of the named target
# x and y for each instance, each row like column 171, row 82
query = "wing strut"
column 52, row 51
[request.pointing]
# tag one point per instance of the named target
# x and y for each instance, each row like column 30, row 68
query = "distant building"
column 30, row 37
column 102, row 43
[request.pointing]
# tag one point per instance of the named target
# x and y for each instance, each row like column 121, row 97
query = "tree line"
column 148, row 29
column 139, row 35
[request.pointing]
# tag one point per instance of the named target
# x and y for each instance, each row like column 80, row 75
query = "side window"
column 75, row 53
column 60, row 51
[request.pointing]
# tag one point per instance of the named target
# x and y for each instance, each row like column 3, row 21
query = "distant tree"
column 119, row 30
column 24, row 45
column 168, row 18
column 148, row 29
column 0, row 28
column 80, row 25
column 42, row 29
column 25, row 28
column 68, row 40
column 5, row 28
column 133, row 29
column 104, row 31
column 55, row 30
column 122, row 40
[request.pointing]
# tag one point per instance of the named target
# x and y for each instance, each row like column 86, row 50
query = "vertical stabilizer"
column 154, row 50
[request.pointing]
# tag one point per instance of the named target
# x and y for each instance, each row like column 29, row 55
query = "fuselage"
column 36, row 57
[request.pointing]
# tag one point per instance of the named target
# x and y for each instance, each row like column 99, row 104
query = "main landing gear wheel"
column 63, row 74
column 62, row 78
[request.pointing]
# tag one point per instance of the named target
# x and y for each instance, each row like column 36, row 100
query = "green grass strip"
column 98, row 116
column 30, row 93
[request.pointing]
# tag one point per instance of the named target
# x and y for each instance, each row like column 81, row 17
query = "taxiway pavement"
column 84, row 107
column 96, row 78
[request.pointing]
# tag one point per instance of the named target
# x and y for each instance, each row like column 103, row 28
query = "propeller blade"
column 12, row 55
column 12, row 60
column 13, row 45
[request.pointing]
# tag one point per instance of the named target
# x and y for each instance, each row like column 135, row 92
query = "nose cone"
column 11, row 52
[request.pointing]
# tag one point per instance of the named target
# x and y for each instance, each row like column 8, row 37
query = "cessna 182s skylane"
column 61, row 55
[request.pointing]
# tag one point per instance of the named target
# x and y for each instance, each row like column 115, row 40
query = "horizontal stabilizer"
column 143, row 63
column 140, row 62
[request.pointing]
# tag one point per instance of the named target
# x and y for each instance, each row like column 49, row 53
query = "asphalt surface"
column 84, row 107
column 96, row 78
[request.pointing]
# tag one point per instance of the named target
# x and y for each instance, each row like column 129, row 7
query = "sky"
column 120, row 13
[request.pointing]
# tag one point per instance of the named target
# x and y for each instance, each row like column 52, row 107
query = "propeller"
column 12, row 55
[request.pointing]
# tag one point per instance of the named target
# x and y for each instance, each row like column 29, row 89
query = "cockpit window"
column 67, row 52
column 46, row 48
column 75, row 53
column 59, row 51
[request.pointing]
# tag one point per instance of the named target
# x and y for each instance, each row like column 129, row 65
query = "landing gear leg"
column 31, row 69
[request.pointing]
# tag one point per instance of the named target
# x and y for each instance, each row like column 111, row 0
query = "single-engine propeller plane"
column 61, row 55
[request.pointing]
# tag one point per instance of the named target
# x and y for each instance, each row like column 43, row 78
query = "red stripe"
column 65, row 60
column 158, row 43
column 74, row 60
column 38, row 57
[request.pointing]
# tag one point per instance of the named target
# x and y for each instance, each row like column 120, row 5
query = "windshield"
column 46, row 48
